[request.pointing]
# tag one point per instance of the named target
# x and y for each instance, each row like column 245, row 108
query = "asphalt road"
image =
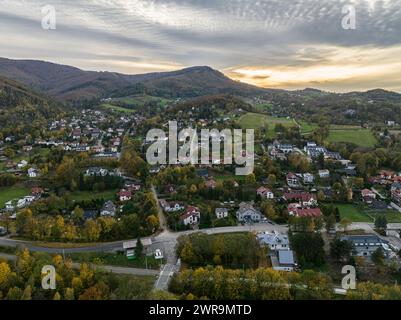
column 164, row 277
column 167, row 240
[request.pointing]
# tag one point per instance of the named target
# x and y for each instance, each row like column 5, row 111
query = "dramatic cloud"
column 272, row 43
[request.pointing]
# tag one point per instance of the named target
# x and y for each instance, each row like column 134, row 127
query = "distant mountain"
column 70, row 83
column 67, row 83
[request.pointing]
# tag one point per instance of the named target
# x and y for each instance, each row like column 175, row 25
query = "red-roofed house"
column 305, row 212
column 292, row 180
column 265, row 193
column 191, row 216
column 368, row 195
column 37, row 191
column 124, row 195
column 305, row 198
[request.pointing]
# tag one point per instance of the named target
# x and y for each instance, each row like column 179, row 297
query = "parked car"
column 3, row 231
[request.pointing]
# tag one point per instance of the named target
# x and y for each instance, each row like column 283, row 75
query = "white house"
column 22, row 164
column 275, row 241
column 191, row 216
column 324, row 174
column 32, row 173
column 247, row 212
column 265, row 193
column 95, row 171
column 308, row 178
column 124, row 195
column 221, row 213
column 108, row 209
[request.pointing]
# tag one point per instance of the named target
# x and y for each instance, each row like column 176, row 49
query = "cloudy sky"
column 271, row 43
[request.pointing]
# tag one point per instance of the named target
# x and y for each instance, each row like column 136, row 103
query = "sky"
column 290, row 44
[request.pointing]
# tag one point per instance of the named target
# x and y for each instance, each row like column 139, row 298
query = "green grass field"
column 257, row 120
column 11, row 193
column 91, row 195
column 392, row 216
column 114, row 259
column 116, row 108
column 360, row 137
column 353, row 213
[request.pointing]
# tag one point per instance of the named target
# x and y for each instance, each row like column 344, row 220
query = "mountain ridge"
column 68, row 83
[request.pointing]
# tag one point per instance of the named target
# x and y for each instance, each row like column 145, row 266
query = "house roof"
column 361, row 240
column 304, row 196
column 273, row 239
column 109, row 206
column 286, row 257
column 309, row 212
column 263, row 190
column 191, row 211
column 124, row 193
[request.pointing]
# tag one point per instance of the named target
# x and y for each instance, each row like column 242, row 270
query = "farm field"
column 360, row 137
column 10, row 193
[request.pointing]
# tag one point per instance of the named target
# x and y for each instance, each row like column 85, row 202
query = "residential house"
column 324, row 174
column 171, row 206
column 308, row 178
column 76, row 134
column 96, row 133
column 95, row 171
column 247, row 212
column 275, row 241
column 292, row 180
column 283, row 261
column 285, row 148
column 108, row 209
column 133, row 187
column 22, row 164
column 265, row 193
column 32, row 173
column 304, row 212
column 304, row 198
column 366, row 244
column 368, row 196
column 221, row 213
column 37, row 192
column 191, row 216
column 124, row 195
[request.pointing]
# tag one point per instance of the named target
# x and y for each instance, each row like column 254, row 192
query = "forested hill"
column 23, row 110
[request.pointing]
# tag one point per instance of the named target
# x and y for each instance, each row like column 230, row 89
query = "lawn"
column 392, row 216
column 91, row 195
column 360, row 137
column 256, row 120
column 117, row 108
column 11, row 193
column 117, row 259
column 353, row 213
